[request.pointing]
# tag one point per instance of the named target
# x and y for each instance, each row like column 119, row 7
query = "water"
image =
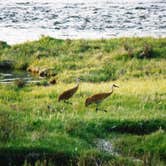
column 105, row 145
column 9, row 76
column 22, row 20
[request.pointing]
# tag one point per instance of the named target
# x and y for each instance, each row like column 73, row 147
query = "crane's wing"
column 68, row 93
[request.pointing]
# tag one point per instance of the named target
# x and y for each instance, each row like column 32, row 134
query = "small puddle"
column 9, row 76
column 105, row 145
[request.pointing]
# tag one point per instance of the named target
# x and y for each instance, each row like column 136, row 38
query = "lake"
column 22, row 20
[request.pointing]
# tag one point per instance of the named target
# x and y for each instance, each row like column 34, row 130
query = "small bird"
column 68, row 93
column 97, row 98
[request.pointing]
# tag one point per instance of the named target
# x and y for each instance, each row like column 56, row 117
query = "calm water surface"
column 22, row 20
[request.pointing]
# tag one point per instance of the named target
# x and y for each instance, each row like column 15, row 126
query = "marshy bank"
column 67, row 134
column 91, row 60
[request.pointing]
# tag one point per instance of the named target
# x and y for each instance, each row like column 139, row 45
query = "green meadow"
column 36, row 129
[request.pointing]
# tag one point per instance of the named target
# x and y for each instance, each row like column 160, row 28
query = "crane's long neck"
column 77, row 85
column 112, row 89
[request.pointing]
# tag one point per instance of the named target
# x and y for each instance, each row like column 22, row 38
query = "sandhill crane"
column 97, row 98
column 68, row 93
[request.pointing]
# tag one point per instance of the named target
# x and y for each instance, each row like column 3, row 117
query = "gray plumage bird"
column 97, row 98
column 68, row 93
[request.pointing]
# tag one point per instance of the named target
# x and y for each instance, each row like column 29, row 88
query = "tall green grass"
column 92, row 60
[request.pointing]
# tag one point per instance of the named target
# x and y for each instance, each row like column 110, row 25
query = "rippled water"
column 9, row 76
column 22, row 20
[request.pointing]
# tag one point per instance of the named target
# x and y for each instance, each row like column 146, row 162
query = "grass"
column 39, row 129
column 92, row 60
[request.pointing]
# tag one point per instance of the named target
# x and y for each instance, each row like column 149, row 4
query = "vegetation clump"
column 53, row 81
column 9, row 127
column 92, row 60
column 20, row 83
column 3, row 45
column 147, row 52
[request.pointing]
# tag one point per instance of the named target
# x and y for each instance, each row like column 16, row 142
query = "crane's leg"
column 97, row 107
column 50, row 108
column 67, row 102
